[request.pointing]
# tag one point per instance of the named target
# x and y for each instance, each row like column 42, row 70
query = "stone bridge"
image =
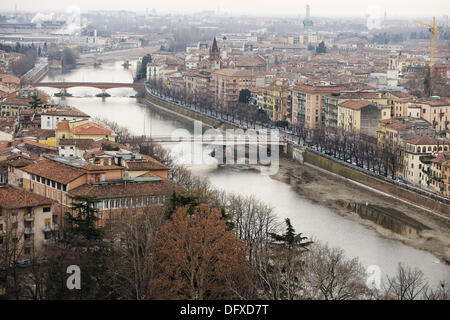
column 98, row 85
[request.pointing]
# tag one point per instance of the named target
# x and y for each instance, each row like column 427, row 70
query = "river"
column 318, row 222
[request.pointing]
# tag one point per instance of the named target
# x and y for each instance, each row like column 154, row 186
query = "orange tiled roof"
column 15, row 198
column 54, row 171
column 63, row 126
column 354, row 104
column 90, row 128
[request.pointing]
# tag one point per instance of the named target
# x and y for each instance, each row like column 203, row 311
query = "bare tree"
column 407, row 284
column 330, row 275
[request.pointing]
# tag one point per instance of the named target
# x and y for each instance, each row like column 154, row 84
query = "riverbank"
column 324, row 188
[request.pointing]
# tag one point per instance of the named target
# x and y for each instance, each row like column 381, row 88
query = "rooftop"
column 354, row 104
column 125, row 188
column 15, row 198
column 54, row 170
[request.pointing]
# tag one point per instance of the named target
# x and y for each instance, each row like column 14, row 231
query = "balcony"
column 48, row 241
column 28, row 230
column 28, row 218
column 50, row 227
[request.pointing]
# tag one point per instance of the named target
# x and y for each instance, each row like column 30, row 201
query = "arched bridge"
column 98, row 85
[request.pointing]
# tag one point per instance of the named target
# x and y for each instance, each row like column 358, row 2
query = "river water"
column 312, row 220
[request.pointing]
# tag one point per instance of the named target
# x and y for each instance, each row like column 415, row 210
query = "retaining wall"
column 376, row 183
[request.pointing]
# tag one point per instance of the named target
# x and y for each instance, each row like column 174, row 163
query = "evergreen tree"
column 35, row 102
column 82, row 220
column 290, row 239
column 244, row 96
column 321, row 48
column 142, row 74
column 178, row 200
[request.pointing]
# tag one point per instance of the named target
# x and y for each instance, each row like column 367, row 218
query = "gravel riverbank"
column 327, row 189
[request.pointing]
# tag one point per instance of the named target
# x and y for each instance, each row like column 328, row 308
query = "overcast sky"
column 254, row 7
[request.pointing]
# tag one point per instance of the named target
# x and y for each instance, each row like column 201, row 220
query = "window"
column 46, row 209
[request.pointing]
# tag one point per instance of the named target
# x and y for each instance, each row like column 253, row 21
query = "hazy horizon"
column 288, row 8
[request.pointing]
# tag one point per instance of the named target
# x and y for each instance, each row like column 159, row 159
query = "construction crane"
column 433, row 29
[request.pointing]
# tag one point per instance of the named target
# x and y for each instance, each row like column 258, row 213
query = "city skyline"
column 319, row 8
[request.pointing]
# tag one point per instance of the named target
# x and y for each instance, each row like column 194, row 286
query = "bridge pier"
column 63, row 94
column 104, row 94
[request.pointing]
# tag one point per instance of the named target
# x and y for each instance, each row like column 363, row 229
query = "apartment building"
column 51, row 118
column 227, row 83
column 277, row 101
column 358, row 116
column 399, row 130
column 437, row 172
column 436, row 112
column 82, row 129
column 53, row 177
column 418, row 154
column 198, row 83
column 315, row 105
column 25, row 221
column 446, row 179
column 116, row 199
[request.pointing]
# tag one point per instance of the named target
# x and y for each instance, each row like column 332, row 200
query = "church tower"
column 214, row 55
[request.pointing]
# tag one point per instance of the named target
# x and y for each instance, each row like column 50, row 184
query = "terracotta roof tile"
column 354, row 104
column 124, row 190
column 15, row 198
column 54, row 170
column 90, row 128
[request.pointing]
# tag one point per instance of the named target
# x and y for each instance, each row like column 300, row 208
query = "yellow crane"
column 434, row 29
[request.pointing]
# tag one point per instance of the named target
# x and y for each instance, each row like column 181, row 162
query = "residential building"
column 25, row 222
column 118, row 198
column 436, row 112
column 277, row 101
column 358, row 116
column 51, row 118
column 227, row 83
column 82, row 129
column 418, row 152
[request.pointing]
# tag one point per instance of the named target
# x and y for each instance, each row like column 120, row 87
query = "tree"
column 310, row 47
column 321, row 48
column 407, row 284
column 244, row 96
column 280, row 265
column 330, row 276
column 35, row 102
column 69, row 58
column 199, row 259
column 82, row 219
column 290, row 239
column 132, row 268
column 177, row 200
column 142, row 74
